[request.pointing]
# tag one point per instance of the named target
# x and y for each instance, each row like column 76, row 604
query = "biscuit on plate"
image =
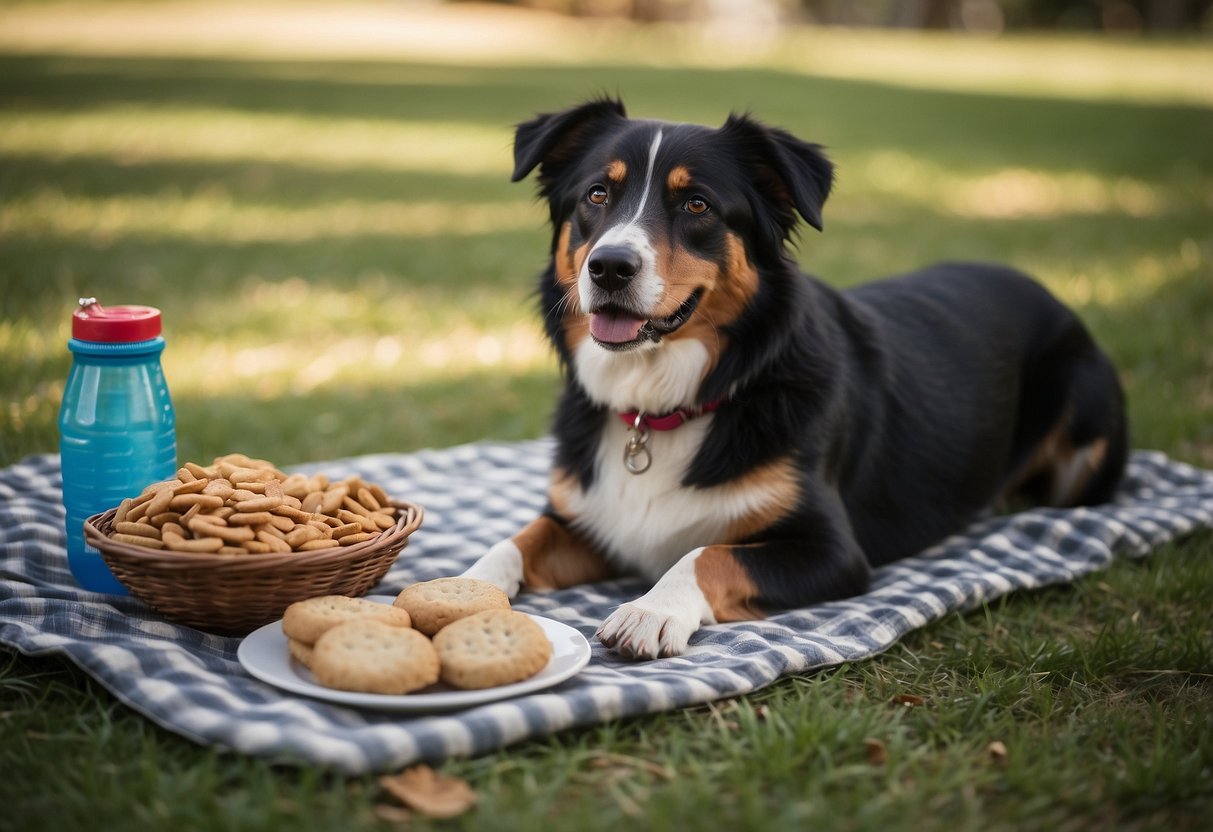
column 300, row 652
column 491, row 648
column 307, row 620
column 369, row 656
column 434, row 604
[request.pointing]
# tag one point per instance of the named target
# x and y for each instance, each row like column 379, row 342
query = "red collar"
column 667, row 421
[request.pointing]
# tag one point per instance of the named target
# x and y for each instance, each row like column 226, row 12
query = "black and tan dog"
column 747, row 437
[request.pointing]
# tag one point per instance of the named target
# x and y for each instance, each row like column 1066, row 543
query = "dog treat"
column 435, row 604
column 138, row 540
column 490, row 648
column 141, row 529
column 372, row 657
column 309, row 619
column 240, row 506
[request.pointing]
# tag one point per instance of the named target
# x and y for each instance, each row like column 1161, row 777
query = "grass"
column 344, row 268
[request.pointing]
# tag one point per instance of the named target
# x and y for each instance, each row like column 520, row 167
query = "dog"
column 743, row 435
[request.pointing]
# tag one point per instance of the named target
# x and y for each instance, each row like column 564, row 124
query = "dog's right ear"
column 551, row 140
column 795, row 172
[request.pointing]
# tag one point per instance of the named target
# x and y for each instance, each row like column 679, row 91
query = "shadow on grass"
column 280, row 184
column 37, row 275
column 1161, row 346
column 956, row 129
column 348, row 421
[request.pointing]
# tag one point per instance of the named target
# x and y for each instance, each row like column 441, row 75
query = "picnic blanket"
column 191, row 683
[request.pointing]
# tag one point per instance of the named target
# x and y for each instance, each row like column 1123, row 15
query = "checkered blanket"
column 192, row 684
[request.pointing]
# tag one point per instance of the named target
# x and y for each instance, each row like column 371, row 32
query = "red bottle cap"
column 114, row 324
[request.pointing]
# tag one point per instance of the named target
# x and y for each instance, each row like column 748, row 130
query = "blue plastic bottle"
column 117, row 429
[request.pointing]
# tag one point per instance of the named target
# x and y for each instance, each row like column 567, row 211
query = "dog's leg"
column 714, row 584
column 660, row 622
column 501, row 566
column 1075, row 444
column 546, row 554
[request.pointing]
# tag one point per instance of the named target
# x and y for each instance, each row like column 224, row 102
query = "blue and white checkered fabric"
column 191, row 683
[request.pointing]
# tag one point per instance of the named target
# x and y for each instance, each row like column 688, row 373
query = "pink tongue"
column 615, row 329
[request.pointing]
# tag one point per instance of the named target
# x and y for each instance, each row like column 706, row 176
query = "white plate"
column 265, row 655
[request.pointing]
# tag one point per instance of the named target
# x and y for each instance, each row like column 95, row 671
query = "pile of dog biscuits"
column 458, row 630
column 241, row 506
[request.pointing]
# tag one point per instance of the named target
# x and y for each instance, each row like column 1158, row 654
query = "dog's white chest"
column 645, row 522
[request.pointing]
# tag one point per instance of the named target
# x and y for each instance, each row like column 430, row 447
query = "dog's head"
column 666, row 236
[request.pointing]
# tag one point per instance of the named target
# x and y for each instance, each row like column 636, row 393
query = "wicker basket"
column 235, row 595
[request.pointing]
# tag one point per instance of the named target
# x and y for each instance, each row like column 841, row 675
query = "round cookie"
column 300, row 652
column 372, row 657
column 434, row 604
column 490, row 648
column 307, row 620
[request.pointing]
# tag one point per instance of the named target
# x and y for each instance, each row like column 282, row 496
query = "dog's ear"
column 791, row 170
column 552, row 139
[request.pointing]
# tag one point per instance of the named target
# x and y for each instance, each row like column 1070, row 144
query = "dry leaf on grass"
column 430, row 793
column 611, row 759
column 878, row 755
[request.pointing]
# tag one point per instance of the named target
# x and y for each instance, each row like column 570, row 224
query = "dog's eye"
column 697, row 205
column 597, row 195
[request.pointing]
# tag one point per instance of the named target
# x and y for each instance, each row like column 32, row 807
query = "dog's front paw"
column 500, row 566
column 638, row 632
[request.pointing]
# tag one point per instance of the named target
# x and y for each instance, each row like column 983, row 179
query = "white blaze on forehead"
column 648, row 177
column 629, row 233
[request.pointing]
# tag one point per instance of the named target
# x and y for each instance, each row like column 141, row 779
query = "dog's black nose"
column 613, row 267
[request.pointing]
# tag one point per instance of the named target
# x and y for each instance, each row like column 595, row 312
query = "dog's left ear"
column 552, row 139
column 795, row 170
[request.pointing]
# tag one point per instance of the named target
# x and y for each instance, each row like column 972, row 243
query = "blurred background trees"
column 992, row 16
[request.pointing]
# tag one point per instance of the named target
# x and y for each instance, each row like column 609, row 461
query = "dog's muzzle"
column 617, row 328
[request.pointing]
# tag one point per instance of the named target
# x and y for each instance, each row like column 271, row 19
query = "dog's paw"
column 638, row 632
column 500, row 566
column 662, row 621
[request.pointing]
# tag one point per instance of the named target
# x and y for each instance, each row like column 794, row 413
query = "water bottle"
column 117, row 429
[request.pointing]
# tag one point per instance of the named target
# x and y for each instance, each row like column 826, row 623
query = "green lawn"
column 344, row 268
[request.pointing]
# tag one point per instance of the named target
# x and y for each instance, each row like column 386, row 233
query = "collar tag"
column 636, row 454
